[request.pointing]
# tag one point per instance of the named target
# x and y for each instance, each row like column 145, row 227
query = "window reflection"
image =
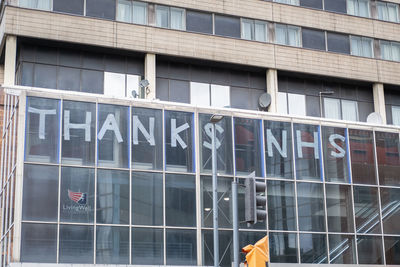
column 112, row 245
column 387, row 149
column 366, row 210
column 392, row 253
column 147, row 246
column 38, row 242
column 313, row 248
column 181, row 247
column 283, row 247
column 342, row 249
column 339, row 208
column 310, row 201
column 76, row 244
column 390, row 201
column 369, row 249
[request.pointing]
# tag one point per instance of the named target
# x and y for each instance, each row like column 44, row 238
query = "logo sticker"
column 77, row 197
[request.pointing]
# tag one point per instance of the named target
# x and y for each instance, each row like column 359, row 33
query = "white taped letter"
column 110, row 124
column 271, row 140
column 175, row 133
column 332, row 139
column 42, row 118
column 208, row 130
column 149, row 135
column 301, row 144
column 84, row 126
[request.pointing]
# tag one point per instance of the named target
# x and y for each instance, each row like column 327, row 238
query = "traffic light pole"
column 215, row 197
column 235, row 224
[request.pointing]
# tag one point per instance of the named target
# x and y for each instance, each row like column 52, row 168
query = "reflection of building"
column 91, row 175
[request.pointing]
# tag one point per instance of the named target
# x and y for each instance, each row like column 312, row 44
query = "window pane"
column 179, row 140
column 199, row 94
column 124, row 11
column 199, row 22
column 112, row 197
column 147, row 144
column 392, row 247
column 366, row 210
column 342, row 249
column 181, row 247
column 311, row 3
column 307, row 147
column 396, row 115
column 387, row 147
column 147, row 198
column 101, row 9
column 311, row 210
column 147, row 246
column 38, row 243
column 227, row 26
column 393, row 12
column 247, row 29
column 42, row 130
column 77, row 195
column 112, row 245
column 281, row 206
column 180, row 200
column 280, row 34
column 179, row 91
column 79, row 135
column 363, row 8
column 297, row 104
column 369, row 250
column 332, row 108
column 139, row 13
column 114, row 84
column 92, row 81
column 71, row 6
column 313, row 38
column 362, row 156
column 245, row 238
column 40, row 187
column 390, row 201
column 260, row 31
column 293, row 36
column 68, row 79
column 113, row 136
column 282, row 103
column 283, row 247
column 313, row 248
column 278, row 149
column 45, row 76
column 177, row 18
column 349, row 110
column 247, row 146
column 225, row 248
column 26, row 74
column 334, row 147
column 386, row 50
column 339, row 208
column 339, row 43
column 220, row 96
column 76, row 244
column 162, row 16
column 335, row 5
column 39, row 4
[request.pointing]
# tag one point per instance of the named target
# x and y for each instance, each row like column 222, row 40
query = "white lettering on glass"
column 209, row 133
column 110, row 124
column 301, row 144
column 175, row 133
column 138, row 125
column 271, row 140
column 332, row 139
column 42, row 118
column 84, row 126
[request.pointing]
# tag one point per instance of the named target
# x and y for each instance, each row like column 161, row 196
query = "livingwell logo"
column 77, row 197
column 80, row 203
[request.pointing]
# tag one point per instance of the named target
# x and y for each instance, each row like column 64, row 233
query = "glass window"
column 287, row 35
column 76, row 244
column 396, row 115
column 388, row 11
column 247, row 146
column 199, row 94
column 77, row 195
column 112, row 245
column 282, row 103
column 313, row 39
column 247, row 29
column 179, row 141
column 147, row 140
column 281, row 206
column 148, row 246
column 38, row 4
column 147, row 198
column 307, row 148
column 283, row 248
column 254, row 30
column 124, row 10
column 225, row 248
column 366, row 210
column 313, row 248
column 297, row 104
column 362, row 156
column 349, row 110
column 177, row 18
column 390, row 201
column 223, row 144
column 92, row 81
column 358, row 8
column 45, row 76
column 342, row 249
column 227, row 26
column 278, row 149
column 311, row 210
column 332, row 108
column 79, row 134
column 101, row 9
column 181, row 247
column 139, row 13
column 180, row 200
column 245, row 238
column 290, row 2
column 361, row 46
column 26, row 74
column 392, row 253
column 339, row 43
column 334, row 147
column 40, row 187
column 339, row 208
column 311, row 3
column 335, row 5
column 220, row 96
column 199, row 22
column 39, row 243
column 112, row 197
column 387, row 148
column 162, row 16
column 114, row 84
column 71, row 6
column 369, row 249
column 43, row 130
column 113, row 136
column 390, row 50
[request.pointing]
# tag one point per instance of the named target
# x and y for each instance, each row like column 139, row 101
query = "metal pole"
column 320, row 104
column 215, row 198
column 235, row 225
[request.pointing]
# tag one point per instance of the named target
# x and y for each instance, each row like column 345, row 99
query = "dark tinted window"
column 336, row 5
column 179, row 91
column 92, row 81
column 69, row 79
column 313, row 39
column 311, row 3
column 101, row 9
column 39, row 242
column 45, row 76
column 198, row 22
column 70, row 6
column 338, row 43
column 227, row 26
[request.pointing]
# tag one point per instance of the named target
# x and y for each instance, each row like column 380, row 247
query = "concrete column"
column 272, row 89
column 379, row 100
column 150, row 74
column 10, row 60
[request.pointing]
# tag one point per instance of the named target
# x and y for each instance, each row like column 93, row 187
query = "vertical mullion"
column 130, row 183
column 198, row 187
column 95, row 182
column 295, row 192
column 61, row 106
column 164, row 180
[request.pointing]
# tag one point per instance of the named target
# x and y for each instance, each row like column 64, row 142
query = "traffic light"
column 255, row 201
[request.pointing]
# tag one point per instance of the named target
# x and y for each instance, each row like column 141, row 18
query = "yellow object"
column 257, row 255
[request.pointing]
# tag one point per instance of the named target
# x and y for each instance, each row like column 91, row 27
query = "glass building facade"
column 110, row 181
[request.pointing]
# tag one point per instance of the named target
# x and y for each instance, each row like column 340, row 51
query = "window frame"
column 253, row 23
column 362, row 39
column 286, row 27
column 169, row 9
